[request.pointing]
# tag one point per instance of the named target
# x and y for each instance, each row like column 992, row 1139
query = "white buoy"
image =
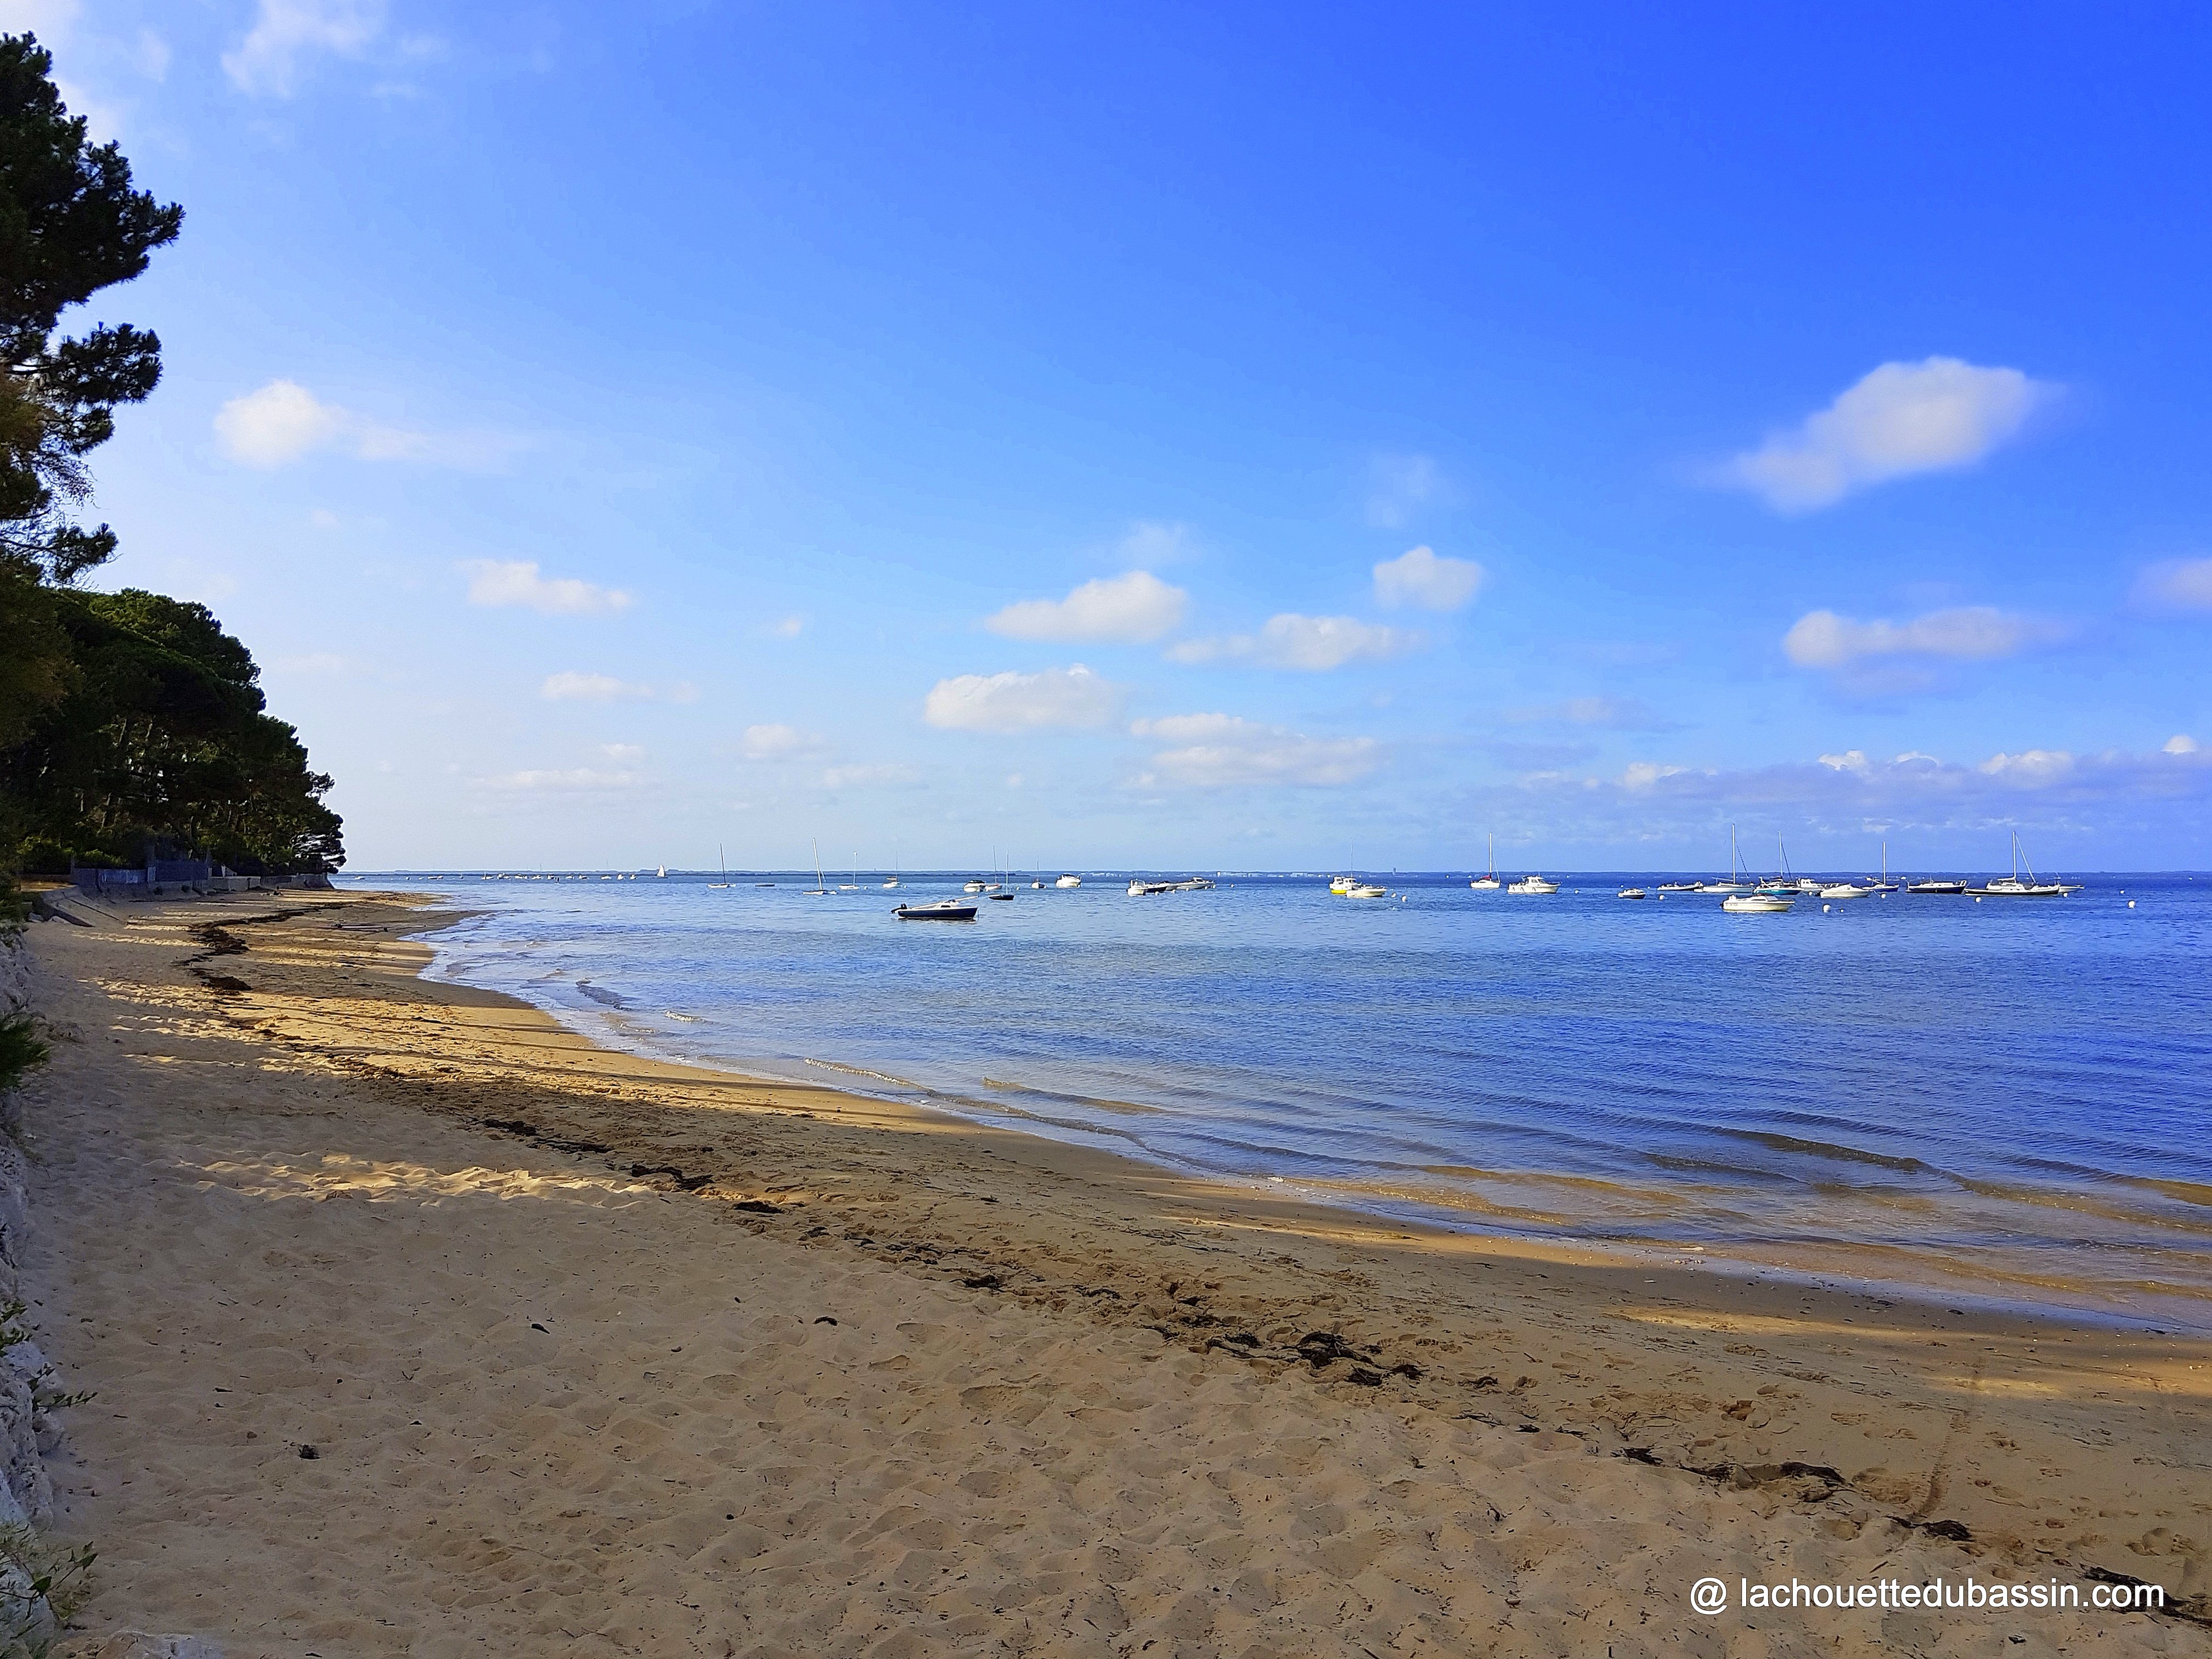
column 1823, row 910
column 2132, row 904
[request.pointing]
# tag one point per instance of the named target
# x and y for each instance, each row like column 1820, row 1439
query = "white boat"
column 1342, row 883
column 1630, row 893
column 893, row 882
column 722, row 863
column 1534, row 884
column 1735, row 882
column 1140, row 889
column 662, row 872
column 971, row 887
column 1885, row 885
column 1368, row 890
column 1037, row 884
column 1069, row 881
column 1755, row 904
column 1844, row 889
column 1678, row 886
column 821, row 889
column 1488, row 883
column 2013, row 887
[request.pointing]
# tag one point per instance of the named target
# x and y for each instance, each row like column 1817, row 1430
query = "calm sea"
column 2009, row 1098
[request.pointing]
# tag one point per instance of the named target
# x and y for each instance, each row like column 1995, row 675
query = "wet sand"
column 600, row 1355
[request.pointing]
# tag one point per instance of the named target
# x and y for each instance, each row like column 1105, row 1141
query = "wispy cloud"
column 283, row 422
column 288, row 35
column 2177, row 585
column 1398, row 486
column 777, row 742
column 1072, row 696
column 519, row 582
column 1420, row 576
column 1224, row 751
column 1902, row 418
column 573, row 687
column 572, row 779
column 880, row 775
column 790, row 628
column 1979, row 633
column 1612, row 714
column 1129, row 608
column 2180, row 743
column 1852, row 793
column 1309, row 644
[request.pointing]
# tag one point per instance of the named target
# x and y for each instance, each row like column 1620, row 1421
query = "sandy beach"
column 420, row 1325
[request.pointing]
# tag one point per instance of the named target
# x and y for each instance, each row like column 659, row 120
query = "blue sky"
column 1267, row 439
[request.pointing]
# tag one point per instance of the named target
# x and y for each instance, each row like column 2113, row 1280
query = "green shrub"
column 20, row 1049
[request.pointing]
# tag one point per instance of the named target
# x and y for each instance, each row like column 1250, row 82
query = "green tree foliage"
column 163, row 738
column 70, row 225
column 126, row 719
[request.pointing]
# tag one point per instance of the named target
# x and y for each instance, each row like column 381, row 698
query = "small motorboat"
column 1755, row 904
column 1368, row 890
column 1069, row 881
column 971, row 887
column 1678, row 886
column 1630, row 892
column 1534, row 884
column 1003, row 898
column 1342, row 884
column 1936, row 887
column 1844, row 889
column 941, row 910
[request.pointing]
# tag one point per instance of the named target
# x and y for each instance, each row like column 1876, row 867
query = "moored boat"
column 1629, row 893
column 1488, row 883
column 1534, row 884
column 1755, row 904
column 941, row 910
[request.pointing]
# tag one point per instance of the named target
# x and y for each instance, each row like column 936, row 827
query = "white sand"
column 273, row 1219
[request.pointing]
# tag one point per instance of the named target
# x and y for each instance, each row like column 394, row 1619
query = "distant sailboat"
column 821, row 889
column 853, row 886
column 662, row 872
column 724, row 864
column 1735, row 883
column 2013, row 887
column 1885, row 885
column 893, row 882
column 1488, row 884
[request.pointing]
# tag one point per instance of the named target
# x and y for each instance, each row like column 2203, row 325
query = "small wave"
column 605, row 998
column 1829, row 1149
column 688, row 1019
column 1096, row 1101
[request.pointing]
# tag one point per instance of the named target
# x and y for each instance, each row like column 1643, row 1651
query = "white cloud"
column 1900, row 419
column 1022, row 703
column 518, row 581
column 1978, row 633
column 776, row 742
column 1854, row 760
column 1150, row 543
column 1309, row 643
column 1419, row 576
column 284, row 421
column 1401, row 484
column 1641, row 775
column 1129, row 608
column 2177, row 585
column 288, row 33
column 2180, row 743
column 2031, row 767
column 149, row 56
column 790, row 628
column 574, row 779
column 573, row 687
column 623, row 754
column 1222, row 752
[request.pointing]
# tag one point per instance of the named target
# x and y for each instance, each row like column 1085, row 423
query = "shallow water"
column 2011, row 1098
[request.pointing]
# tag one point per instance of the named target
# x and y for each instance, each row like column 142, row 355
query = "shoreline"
column 272, row 1144
column 1996, row 1280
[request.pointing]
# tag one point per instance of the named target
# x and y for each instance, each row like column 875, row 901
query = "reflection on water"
column 2019, row 1089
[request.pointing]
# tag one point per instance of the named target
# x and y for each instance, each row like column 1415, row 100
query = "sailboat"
column 2013, row 887
column 893, row 882
column 662, row 872
column 853, row 886
column 1783, row 884
column 1735, row 883
column 1488, row 884
column 821, row 889
column 723, row 863
column 1885, row 885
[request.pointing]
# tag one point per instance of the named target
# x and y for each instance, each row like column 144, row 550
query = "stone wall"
column 25, row 1492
